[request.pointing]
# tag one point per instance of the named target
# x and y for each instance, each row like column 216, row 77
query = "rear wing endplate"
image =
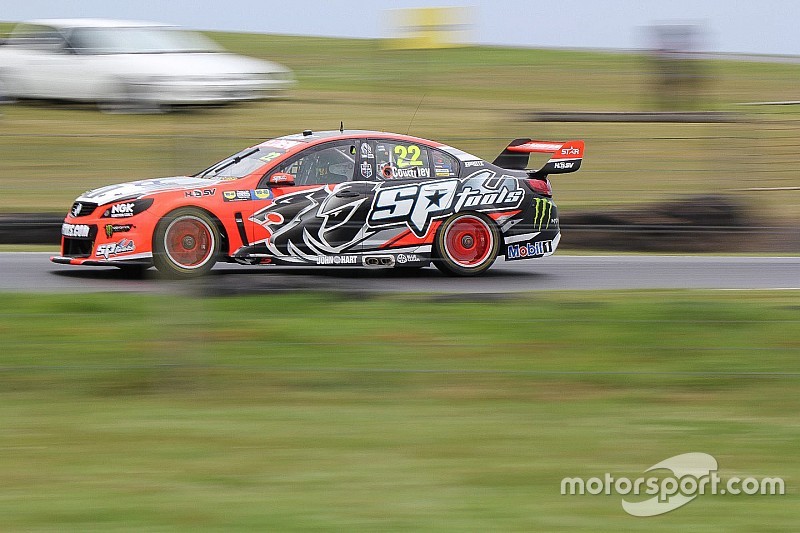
column 567, row 156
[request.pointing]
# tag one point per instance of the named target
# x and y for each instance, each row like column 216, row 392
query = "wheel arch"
column 501, row 243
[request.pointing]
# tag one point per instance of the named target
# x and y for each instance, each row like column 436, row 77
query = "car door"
column 409, row 194
column 320, row 211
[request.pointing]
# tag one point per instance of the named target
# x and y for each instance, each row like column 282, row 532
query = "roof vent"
column 306, row 133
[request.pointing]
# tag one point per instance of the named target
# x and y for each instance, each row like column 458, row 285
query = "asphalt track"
column 34, row 272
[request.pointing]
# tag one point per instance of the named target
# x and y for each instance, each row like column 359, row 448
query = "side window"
column 396, row 160
column 325, row 166
column 37, row 37
column 444, row 165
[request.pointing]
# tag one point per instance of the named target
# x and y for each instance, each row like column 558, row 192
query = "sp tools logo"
column 114, row 248
column 416, row 205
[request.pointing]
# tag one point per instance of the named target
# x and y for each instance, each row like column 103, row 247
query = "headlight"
column 127, row 209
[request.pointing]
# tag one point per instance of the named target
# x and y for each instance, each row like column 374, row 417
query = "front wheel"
column 466, row 244
column 186, row 243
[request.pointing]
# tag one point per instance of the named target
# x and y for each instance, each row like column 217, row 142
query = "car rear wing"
column 567, row 156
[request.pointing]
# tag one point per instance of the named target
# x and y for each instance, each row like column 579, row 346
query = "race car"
column 334, row 198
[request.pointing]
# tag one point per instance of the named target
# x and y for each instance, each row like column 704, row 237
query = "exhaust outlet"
column 379, row 261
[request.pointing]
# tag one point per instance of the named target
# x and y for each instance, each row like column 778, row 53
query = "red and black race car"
column 340, row 198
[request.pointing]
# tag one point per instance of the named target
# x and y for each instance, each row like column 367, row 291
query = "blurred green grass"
column 469, row 97
column 290, row 412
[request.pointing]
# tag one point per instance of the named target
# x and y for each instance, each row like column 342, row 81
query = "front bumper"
column 94, row 241
column 61, row 260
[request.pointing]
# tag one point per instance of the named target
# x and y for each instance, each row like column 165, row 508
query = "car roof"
column 316, row 137
column 95, row 23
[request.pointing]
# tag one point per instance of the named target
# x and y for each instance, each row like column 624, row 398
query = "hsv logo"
column 199, row 193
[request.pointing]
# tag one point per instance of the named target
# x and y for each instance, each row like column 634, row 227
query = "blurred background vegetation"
column 475, row 98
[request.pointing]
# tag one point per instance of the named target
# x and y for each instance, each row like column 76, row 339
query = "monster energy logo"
column 542, row 214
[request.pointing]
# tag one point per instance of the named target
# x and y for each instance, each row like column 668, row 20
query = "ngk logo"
column 122, row 209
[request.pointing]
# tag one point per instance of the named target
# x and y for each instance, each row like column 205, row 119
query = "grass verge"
column 311, row 412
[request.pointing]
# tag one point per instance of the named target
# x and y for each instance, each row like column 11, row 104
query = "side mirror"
column 281, row 179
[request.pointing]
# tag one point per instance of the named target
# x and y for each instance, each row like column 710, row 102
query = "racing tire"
column 466, row 244
column 186, row 243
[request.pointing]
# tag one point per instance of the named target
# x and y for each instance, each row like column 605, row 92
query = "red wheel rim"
column 189, row 242
column 468, row 241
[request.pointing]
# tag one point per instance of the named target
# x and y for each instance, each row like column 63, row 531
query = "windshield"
column 139, row 40
column 248, row 160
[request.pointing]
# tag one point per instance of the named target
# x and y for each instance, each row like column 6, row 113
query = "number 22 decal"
column 407, row 156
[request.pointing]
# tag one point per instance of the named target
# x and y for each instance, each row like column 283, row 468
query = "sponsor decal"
column 563, row 165
column 337, row 260
column 531, row 249
column 237, row 196
column 75, row 230
column 199, row 193
column 269, row 157
column 115, row 248
column 408, row 156
column 541, row 214
column 414, row 172
column 122, row 210
column 418, row 204
column 468, row 164
column 283, row 144
column 366, row 151
column 111, row 229
column 76, row 209
column 128, row 209
column 366, row 169
column 570, row 151
column 407, row 258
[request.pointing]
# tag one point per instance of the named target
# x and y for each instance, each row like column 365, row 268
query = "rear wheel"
column 186, row 243
column 466, row 244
